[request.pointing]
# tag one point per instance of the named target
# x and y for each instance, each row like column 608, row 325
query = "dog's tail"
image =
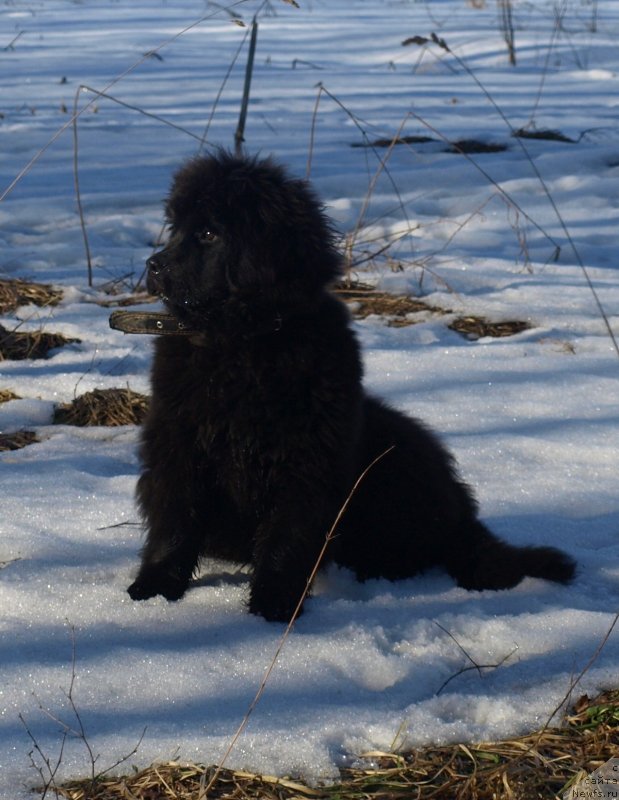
column 484, row 561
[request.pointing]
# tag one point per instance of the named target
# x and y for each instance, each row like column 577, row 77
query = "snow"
column 532, row 418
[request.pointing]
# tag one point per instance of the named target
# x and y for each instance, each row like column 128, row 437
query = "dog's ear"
column 292, row 241
column 313, row 256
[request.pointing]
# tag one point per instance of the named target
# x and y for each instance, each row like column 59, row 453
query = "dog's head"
column 240, row 227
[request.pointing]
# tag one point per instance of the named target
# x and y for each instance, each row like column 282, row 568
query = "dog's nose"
column 154, row 264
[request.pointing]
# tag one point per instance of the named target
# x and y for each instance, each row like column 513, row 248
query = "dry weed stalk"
column 442, row 44
column 48, row 766
column 534, row 767
column 121, row 76
column 331, row 533
column 474, row 665
column 353, row 237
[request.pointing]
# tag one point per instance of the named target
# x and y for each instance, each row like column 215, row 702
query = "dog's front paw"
column 152, row 582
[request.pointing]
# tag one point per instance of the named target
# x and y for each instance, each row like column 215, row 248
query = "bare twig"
column 76, row 183
column 35, row 158
column 506, row 21
column 101, row 93
column 444, row 46
column 48, row 768
column 594, row 657
column 205, row 790
column 11, row 44
column 474, row 664
column 239, row 136
column 382, row 160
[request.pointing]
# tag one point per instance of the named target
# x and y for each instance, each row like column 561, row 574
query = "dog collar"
column 150, row 322
column 161, row 324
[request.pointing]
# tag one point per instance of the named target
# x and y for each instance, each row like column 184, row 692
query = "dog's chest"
column 242, row 394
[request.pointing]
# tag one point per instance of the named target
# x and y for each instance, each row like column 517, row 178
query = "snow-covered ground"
column 532, row 418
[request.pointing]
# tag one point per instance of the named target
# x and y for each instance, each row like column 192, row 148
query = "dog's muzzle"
column 156, row 266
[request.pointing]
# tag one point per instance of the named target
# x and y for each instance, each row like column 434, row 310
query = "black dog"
column 259, row 425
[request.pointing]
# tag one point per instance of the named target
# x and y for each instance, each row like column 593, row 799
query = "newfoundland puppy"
column 259, row 425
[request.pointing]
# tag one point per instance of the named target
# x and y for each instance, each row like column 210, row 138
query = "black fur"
column 259, row 425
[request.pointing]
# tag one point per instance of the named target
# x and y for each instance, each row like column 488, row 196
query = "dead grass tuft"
column 545, row 134
column 386, row 142
column 17, row 346
column 17, row 440
column 111, row 407
column 16, row 292
column 365, row 300
column 540, row 766
column 477, row 327
column 471, row 146
column 6, row 395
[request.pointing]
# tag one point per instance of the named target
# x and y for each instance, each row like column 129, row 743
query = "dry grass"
column 477, row 327
column 396, row 309
column 399, row 310
column 471, row 146
column 17, row 440
column 6, row 395
column 17, row 346
column 540, row 766
column 15, row 293
column 110, row 407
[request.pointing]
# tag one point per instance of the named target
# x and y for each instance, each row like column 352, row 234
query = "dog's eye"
column 206, row 236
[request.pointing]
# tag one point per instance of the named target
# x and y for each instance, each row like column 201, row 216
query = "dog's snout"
column 156, row 273
column 154, row 263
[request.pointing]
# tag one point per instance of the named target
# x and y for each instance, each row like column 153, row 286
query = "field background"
column 512, row 229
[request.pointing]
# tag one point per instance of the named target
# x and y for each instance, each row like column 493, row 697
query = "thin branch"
column 474, row 664
column 11, row 44
column 382, row 160
column 102, row 93
column 594, row 657
column 38, row 155
column 76, row 183
column 443, row 45
column 491, row 180
column 330, row 535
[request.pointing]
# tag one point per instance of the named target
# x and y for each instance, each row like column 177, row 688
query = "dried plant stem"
column 205, row 790
column 474, row 664
column 575, row 681
column 35, row 158
column 382, row 164
column 76, row 183
column 510, row 200
column 506, row 19
column 444, row 46
column 239, row 136
column 131, row 107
